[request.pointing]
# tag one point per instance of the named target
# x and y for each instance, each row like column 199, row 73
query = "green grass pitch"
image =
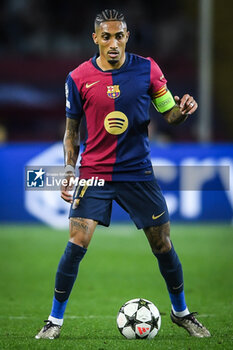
column 118, row 266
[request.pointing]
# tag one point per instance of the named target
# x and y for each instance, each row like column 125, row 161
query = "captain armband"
column 163, row 100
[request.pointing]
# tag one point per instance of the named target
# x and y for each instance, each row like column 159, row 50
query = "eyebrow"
column 103, row 33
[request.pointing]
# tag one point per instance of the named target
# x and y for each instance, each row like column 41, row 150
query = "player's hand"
column 187, row 104
column 65, row 190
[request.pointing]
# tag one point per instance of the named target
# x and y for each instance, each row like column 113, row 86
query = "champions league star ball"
column 139, row 319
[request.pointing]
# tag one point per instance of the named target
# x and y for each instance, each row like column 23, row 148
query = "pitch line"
column 73, row 317
column 66, row 317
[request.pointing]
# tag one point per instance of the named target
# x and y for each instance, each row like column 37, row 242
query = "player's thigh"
column 81, row 230
column 144, row 202
column 91, row 205
column 159, row 237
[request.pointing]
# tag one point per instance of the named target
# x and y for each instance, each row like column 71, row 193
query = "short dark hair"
column 109, row 15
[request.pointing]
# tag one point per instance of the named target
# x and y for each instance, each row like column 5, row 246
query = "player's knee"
column 159, row 238
column 162, row 245
column 81, row 231
column 81, row 241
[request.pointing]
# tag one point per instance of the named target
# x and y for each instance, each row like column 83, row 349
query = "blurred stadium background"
column 41, row 41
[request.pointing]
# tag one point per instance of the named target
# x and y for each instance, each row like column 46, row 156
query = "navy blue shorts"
column 143, row 200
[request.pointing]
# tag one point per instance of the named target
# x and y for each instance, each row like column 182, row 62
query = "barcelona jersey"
column 115, row 105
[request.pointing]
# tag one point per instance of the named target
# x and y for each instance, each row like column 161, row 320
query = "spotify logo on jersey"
column 116, row 123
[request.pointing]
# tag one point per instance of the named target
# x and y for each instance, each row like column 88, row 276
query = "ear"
column 127, row 36
column 94, row 37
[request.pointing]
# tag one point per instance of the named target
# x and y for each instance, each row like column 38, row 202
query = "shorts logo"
column 116, row 123
column 113, row 91
column 35, row 178
column 158, row 216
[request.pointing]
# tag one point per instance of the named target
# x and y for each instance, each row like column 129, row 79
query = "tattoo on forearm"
column 71, row 158
column 176, row 117
column 71, row 147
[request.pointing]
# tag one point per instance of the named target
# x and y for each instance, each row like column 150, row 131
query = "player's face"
column 111, row 37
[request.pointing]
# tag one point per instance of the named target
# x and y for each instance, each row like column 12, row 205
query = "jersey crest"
column 113, row 91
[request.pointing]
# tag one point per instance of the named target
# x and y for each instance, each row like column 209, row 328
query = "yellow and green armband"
column 163, row 103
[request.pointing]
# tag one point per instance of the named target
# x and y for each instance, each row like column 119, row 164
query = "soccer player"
column 113, row 91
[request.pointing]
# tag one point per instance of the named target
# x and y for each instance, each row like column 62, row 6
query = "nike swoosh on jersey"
column 158, row 216
column 89, row 85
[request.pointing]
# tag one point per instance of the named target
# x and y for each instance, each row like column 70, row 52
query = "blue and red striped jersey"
column 115, row 104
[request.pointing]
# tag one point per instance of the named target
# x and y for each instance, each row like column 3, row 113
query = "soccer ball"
column 139, row 319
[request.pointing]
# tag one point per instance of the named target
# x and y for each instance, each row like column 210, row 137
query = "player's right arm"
column 71, row 141
column 71, row 144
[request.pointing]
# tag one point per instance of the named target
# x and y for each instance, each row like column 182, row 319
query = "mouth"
column 113, row 54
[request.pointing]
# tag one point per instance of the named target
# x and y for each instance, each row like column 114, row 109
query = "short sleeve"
column 157, row 80
column 161, row 97
column 74, row 109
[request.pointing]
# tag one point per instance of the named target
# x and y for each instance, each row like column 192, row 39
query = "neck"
column 105, row 65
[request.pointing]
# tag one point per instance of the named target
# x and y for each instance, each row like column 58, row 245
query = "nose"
column 113, row 43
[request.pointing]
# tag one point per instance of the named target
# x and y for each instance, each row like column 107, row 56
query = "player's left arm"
column 182, row 109
column 174, row 110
